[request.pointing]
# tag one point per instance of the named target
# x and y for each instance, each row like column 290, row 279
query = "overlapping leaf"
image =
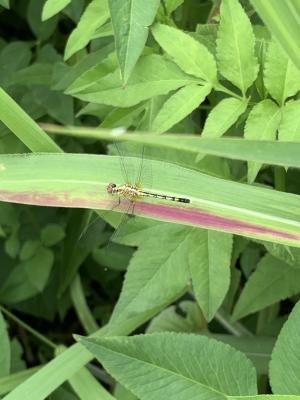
column 175, row 365
column 235, row 46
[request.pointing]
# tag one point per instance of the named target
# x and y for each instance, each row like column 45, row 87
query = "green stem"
column 236, row 328
column 28, row 328
column 279, row 178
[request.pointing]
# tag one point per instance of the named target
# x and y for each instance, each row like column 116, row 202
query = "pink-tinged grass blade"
column 72, row 180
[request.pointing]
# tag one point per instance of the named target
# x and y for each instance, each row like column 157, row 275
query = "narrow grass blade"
column 266, row 152
column 25, row 128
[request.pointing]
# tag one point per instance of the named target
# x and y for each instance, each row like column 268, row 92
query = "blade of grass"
column 266, row 152
column 10, row 382
column 24, row 127
column 81, row 307
column 48, row 180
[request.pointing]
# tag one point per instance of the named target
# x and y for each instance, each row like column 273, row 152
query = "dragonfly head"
column 110, row 188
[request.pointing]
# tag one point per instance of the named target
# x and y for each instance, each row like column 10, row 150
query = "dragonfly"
column 133, row 191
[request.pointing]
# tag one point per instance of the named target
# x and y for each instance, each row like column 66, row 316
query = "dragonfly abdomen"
column 166, row 197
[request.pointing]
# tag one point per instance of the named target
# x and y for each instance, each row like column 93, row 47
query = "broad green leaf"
column 94, row 74
column 64, row 76
column 152, row 76
column 42, row 30
column 28, row 249
column 190, row 55
column 162, row 279
column 95, row 15
column 25, row 128
column 130, row 20
column 272, row 281
column 209, row 369
column 179, row 105
column 12, row 245
column 289, row 255
column 28, row 278
column 235, row 46
column 215, row 203
column 5, row 348
column 282, row 19
column 35, row 74
column 284, row 365
column 262, row 124
column 4, row 3
column 14, row 56
column 257, row 348
column 281, row 77
column 289, row 128
column 53, row 7
column 104, row 31
column 52, row 234
column 210, row 269
column 223, row 116
column 56, row 104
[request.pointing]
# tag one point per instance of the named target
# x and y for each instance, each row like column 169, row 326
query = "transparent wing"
column 140, row 174
column 144, row 173
column 127, row 168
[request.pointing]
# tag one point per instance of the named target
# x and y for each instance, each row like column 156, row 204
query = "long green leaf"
column 53, row 7
column 178, row 106
column 262, row 124
column 223, row 116
column 289, row 128
column 235, row 46
column 214, row 203
column 283, row 20
column 274, row 153
column 281, row 77
column 175, row 372
column 5, row 348
column 25, row 128
column 130, row 21
column 272, row 281
column 164, row 274
column 95, row 15
column 210, row 269
column 191, row 56
column 153, row 76
column 285, row 357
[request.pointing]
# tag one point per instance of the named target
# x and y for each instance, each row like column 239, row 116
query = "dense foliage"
column 190, row 298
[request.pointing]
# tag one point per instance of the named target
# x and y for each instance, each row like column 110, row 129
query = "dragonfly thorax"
column 131, row 192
